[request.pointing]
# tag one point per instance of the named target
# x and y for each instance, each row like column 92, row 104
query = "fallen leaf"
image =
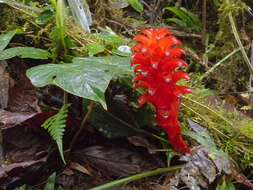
column 143, row 142
column 115, row 160
column 16, row 174
column 76, row 166
column 25, row 99
column 10, row 119
column 68, row 172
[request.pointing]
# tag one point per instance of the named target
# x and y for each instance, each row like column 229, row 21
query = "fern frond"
column 55, row 126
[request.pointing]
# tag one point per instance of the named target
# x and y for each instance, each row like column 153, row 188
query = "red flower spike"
column 156, row 59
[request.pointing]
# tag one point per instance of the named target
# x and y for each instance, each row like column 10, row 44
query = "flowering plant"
column 156, row 59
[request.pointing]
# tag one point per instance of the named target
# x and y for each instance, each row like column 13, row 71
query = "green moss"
column 232, row 131
column 8, row 18
column 233, row 75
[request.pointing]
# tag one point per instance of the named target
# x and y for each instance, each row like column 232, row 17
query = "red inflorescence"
column 156, row 59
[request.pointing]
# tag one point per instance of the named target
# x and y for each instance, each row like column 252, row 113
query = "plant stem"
column 209, row 109
column 137, row 129
column 65, row 98
column 204, row 119
column 237, row 38
column 204, row 5
column 219, row 63
column 53, row 2
column 136, row 177
column 84, row 121
column 251, row 77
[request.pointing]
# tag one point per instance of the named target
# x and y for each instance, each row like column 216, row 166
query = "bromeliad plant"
column 156, row 59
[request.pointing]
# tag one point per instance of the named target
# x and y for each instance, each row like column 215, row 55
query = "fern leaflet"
column 55, row 126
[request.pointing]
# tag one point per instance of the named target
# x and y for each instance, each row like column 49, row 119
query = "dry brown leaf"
column 78, row 167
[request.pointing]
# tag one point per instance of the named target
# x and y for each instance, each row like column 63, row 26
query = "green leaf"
column 137, row 5
column 24, row 52
column 60, row 26
column 111, row 39
column 95, row 48
column 179, row 13
column 230, row 186
column 194, row 19
column 86, row 77
column 5, row 39
column 51, row 182
column 177, row 22
column 202, row 136
column 55, row 126
column 226, row 186
column 184, row 18
column 45, row 17
column 216, row 3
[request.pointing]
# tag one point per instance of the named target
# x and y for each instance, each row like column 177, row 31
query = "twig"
column 204, row 119
column 237, row 38
column 119, row 23
column 219, row 63
column 147, row 5
column 157, row 5
column 204, row 21
column 184, row 34
column 194, row 56
column 65, row 98
column 251, row 76
column 209, row 109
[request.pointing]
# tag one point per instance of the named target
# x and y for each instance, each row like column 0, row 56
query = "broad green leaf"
column 5, row 39
column 24, row 52
column 85, row 77
column 137, row 5
column 95, row 48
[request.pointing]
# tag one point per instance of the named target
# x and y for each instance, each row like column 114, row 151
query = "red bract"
column 156, row 59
